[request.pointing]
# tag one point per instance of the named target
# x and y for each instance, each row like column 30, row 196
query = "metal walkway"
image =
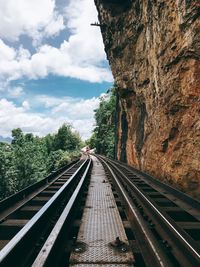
column 100, row 225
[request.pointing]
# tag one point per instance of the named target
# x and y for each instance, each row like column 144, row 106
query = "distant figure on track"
column 87, row 151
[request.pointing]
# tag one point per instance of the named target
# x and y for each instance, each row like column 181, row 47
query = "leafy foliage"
column 29, row 158
column 103, row 138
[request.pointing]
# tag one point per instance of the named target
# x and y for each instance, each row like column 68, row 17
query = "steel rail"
column 10, row 251
column 159, row 258
column 191, row 252
column 164, row 218
column 162, row 185
column 46, row 256
column 21, row 197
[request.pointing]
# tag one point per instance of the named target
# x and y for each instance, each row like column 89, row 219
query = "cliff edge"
column 153, row 48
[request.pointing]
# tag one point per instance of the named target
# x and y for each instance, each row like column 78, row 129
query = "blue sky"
column 53, row 67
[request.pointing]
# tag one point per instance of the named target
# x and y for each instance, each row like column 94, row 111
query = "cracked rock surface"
column 153, row 48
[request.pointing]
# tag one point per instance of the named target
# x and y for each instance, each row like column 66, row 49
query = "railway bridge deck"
column 100, row 225
column 99, row 212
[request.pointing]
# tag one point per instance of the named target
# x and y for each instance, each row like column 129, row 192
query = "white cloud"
column 77, row 109
column 7, row 54
column 73, row 108
column 85, row 43
column 81, row 56
column 25, row 105
column 48, row 101
column 32, row 18
column 22, row 54
column 51, row 60
column 15, row 91
column 78, row 112
column 55, row 25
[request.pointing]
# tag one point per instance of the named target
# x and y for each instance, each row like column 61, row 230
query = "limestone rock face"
column 153, row 47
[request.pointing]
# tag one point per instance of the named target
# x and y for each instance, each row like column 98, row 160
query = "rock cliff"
column 153, row 47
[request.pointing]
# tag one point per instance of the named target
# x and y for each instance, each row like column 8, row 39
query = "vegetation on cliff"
column 103, row 138
column 29, row 158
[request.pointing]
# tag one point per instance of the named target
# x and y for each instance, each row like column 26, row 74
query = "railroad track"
column 31, row 229
column 165, row 222
column 14, row 202
column 39, row 225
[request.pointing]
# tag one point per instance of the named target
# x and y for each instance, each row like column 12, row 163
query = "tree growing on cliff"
column 103, row 138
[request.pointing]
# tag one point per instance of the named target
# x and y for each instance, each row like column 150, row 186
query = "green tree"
column 5, row 164
column 54, row 158
column 17, row 136
column 65, row 139
column 103, row 138
column 30, row 158
column 49, row 142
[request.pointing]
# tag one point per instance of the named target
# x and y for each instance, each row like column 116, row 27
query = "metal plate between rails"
column 103, row 265
column 100, row 225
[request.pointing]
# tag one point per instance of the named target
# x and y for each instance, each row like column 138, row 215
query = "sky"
column 53, row 67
